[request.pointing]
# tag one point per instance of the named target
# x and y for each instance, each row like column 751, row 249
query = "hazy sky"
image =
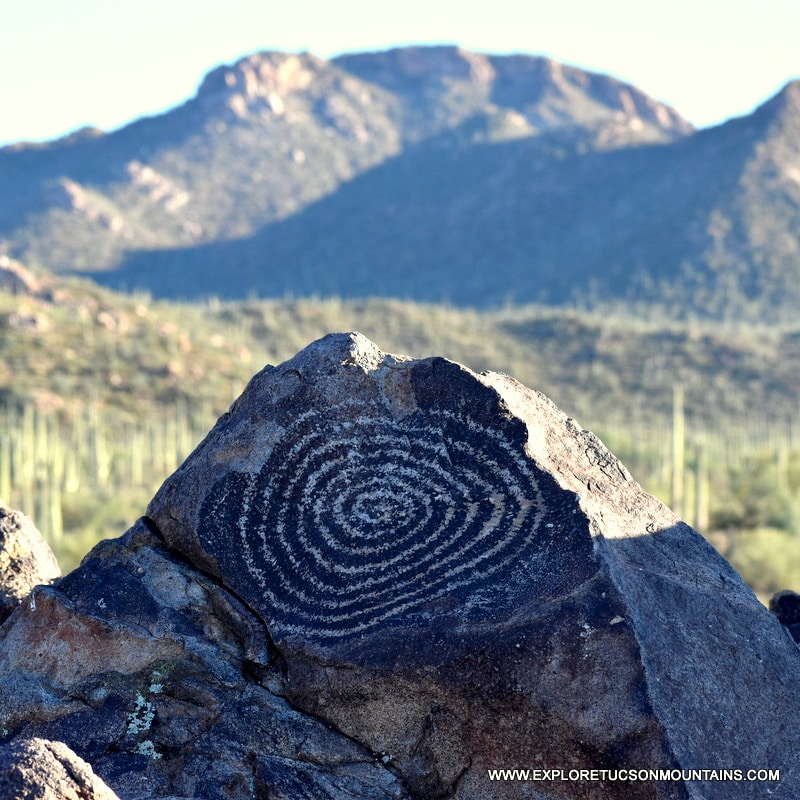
column 69, row 63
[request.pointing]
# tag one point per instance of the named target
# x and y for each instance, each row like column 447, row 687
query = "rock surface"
column 36, row 769
column 162, row 680
column 25, row 559
column 382, row 578
column 16, row 279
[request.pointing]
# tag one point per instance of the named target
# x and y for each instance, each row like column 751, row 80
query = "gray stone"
column 25, row 559
column 383, row 578
column 164, row 682
column 36, row 769
column 459, row 577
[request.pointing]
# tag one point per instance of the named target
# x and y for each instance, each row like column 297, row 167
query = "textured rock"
column 35, row 769
column 382, row 578
column 161, row 679
column 25, row 559
column 459, row 577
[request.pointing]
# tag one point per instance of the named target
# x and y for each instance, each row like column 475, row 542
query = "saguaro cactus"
column 678, row 450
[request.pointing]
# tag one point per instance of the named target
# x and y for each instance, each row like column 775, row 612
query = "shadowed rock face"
column 785, row 605
column 158, row 677
column 380, row 577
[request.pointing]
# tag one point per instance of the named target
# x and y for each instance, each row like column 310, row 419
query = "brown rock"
column 16, row 279
column 25, row 559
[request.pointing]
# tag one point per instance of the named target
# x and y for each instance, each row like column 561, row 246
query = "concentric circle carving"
column 358, row 519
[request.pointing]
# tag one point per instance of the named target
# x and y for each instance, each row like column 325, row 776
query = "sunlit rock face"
column 25, row 559
column 48, row 771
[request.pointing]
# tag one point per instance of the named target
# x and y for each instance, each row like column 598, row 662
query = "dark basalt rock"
column 362, row 521
column 458, row 576
column 382, row 578
column 182, row 699
column 163, row 681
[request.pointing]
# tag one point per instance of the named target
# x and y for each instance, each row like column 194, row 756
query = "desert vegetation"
column 103, row 395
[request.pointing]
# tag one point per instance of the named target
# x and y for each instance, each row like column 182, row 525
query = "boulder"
column 380, row 577
column 162, row 680
column 35, row 769
column 785, row 605
column 461, row 578
column 25, row 559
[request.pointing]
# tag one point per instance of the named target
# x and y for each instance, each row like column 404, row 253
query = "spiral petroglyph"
column 443, row 567
column 358, row 518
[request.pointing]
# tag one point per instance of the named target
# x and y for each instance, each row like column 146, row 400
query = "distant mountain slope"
column 274, row 132
column 424, row 173
column 709, row 223
column 259, row 141
column 442, row 87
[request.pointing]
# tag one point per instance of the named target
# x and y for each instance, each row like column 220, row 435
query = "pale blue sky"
column 69, row 63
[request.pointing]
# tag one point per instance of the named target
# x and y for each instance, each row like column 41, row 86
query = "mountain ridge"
column 480, row 178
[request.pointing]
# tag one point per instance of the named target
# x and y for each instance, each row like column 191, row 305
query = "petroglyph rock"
column 359, row 522
column 358, row 513
column 159, row 678
column 458, row 577
column 384, row 578
column 25, row 559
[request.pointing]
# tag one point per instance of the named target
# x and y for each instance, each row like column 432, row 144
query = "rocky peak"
column 781, row 114
column 635, row 103
column 792, row 93
column 787, row 100
column 400, row 66
column 265, row 76
column 515, row 81
column 524, row 80
column 770, row 137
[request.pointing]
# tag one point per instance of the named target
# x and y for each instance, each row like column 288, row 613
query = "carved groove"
column 357, row 518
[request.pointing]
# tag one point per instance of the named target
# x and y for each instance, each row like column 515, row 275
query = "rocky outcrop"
column 16, row 279
column 163, row 681
column 536, row 86
column 35, row 769
column 386, row 578
column 25, row 559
